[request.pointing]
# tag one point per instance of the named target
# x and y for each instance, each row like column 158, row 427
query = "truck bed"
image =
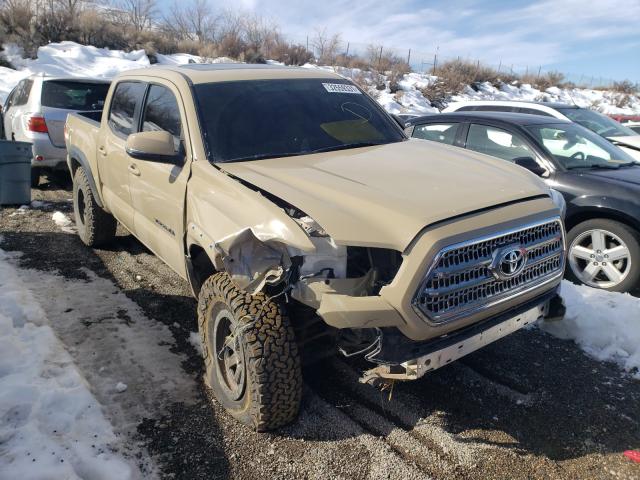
column 81, row 140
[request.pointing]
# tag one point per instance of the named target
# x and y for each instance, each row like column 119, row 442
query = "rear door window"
column 495, row 108
column 21, row 96
column 123, row 107
column 161, row 112
column 533, row 111
column 437, row 132
column 73, row 95
column 497, row 143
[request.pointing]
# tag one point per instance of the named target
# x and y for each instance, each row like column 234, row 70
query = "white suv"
column 36, row 110
column 604, row 126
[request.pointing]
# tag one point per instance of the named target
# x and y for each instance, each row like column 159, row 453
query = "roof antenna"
column 572, row 100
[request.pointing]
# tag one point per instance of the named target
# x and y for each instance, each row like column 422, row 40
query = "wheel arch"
column 606, row 213
column 76, row 159
column 199, row 267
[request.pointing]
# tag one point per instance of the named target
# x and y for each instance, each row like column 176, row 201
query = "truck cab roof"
column 223, row 72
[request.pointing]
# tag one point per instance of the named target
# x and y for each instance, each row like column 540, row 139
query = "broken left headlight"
column 311, row 227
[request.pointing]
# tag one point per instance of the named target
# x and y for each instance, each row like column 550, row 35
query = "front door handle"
column 102, row 151
column 134, row 170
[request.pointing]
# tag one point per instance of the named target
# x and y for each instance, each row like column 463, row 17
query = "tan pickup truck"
column 307, row 223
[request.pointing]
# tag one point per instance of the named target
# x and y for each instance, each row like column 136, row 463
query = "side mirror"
column 155, row 146
column 530, row 164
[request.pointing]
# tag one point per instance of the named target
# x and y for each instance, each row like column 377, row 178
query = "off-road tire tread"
column 274, row 374
column 99, row 227
column 35, row 177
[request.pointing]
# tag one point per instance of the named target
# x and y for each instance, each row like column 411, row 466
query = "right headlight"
column 559, row 201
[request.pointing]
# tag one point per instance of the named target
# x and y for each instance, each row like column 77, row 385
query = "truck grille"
column 485, row 271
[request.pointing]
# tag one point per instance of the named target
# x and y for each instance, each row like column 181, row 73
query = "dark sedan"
column 600, row 183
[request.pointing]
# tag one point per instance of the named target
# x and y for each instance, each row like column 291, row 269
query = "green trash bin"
column 15, row 173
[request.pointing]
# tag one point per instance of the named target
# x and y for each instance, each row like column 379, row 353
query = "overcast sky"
column 598, row 38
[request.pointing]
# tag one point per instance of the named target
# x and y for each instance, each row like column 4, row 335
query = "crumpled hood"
column 632, row 141
column 382, row 196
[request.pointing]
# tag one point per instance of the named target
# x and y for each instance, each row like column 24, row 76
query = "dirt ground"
column 528, row 406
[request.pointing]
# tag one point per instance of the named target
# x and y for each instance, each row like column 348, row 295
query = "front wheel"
column 250, row 353
column 604, row 254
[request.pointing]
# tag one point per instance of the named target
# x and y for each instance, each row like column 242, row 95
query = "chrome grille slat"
column 460, row 278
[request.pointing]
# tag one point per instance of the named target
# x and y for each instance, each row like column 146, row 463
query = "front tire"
column 95, row 226
column 604, row 254
column 250, row 353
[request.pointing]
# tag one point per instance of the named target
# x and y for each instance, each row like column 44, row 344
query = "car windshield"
column 574, row 146
column 74, row 95
column 596, row 122
column 258, row 119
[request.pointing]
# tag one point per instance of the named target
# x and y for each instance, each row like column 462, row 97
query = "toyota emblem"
column 508, row 262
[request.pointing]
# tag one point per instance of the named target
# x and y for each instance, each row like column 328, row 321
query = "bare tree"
column 326, row 46
column 192, row 21
column 139, row 14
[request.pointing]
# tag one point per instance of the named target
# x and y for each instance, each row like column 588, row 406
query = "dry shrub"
column 292, row 54
column 626, row 87
column 549, row 79
column 622, row 100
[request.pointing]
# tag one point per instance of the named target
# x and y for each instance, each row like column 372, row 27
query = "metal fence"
column 425, row 61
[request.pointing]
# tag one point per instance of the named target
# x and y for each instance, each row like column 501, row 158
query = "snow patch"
column 196, row 342
column 606, row 325
column 64, row 222
column 51, row 424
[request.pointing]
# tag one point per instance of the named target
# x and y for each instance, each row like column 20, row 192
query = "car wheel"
column 35, row 177
column 95, row 226
column 604, row 254
column 250, row 353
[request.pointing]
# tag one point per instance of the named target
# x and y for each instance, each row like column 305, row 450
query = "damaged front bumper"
column 399, row 358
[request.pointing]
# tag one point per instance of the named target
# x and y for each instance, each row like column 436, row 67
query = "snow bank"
column 601, row 100
column 75, row 60
column 52, row 426
column 606, row 325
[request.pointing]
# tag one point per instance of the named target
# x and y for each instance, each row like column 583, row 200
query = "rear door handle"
column 134, row 170
column 102, row 151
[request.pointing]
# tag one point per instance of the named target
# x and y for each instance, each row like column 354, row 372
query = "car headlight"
column 310, row 226
column 559, row 201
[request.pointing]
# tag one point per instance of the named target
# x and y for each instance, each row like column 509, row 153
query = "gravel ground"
column 528, row 406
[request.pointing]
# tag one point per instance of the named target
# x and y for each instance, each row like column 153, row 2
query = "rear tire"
column 250, row 353
column 95, row 226
column 35, row 177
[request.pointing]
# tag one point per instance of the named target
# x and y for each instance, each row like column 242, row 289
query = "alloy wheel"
column 599, row 258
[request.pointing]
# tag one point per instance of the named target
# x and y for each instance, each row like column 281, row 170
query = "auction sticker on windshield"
column 341, row 88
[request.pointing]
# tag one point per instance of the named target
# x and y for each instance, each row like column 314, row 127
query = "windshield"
column 574, row 146
column 73, row 95
column 257, row 119
column 596, row 122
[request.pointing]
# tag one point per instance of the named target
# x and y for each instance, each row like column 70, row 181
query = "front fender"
column 599, row 206
column 221, row 210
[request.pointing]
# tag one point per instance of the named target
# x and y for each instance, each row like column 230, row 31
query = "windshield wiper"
column 598, row 165
column 263, row 156
column 344, row 146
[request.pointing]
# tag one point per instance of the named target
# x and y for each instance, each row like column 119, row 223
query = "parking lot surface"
column 528, row 406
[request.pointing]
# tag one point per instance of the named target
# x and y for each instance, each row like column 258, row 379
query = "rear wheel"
column 250, row 353
column 604, row 254
column 95, row 226
column 35, row 177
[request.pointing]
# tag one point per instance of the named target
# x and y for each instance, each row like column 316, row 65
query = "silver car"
column 36, row 110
